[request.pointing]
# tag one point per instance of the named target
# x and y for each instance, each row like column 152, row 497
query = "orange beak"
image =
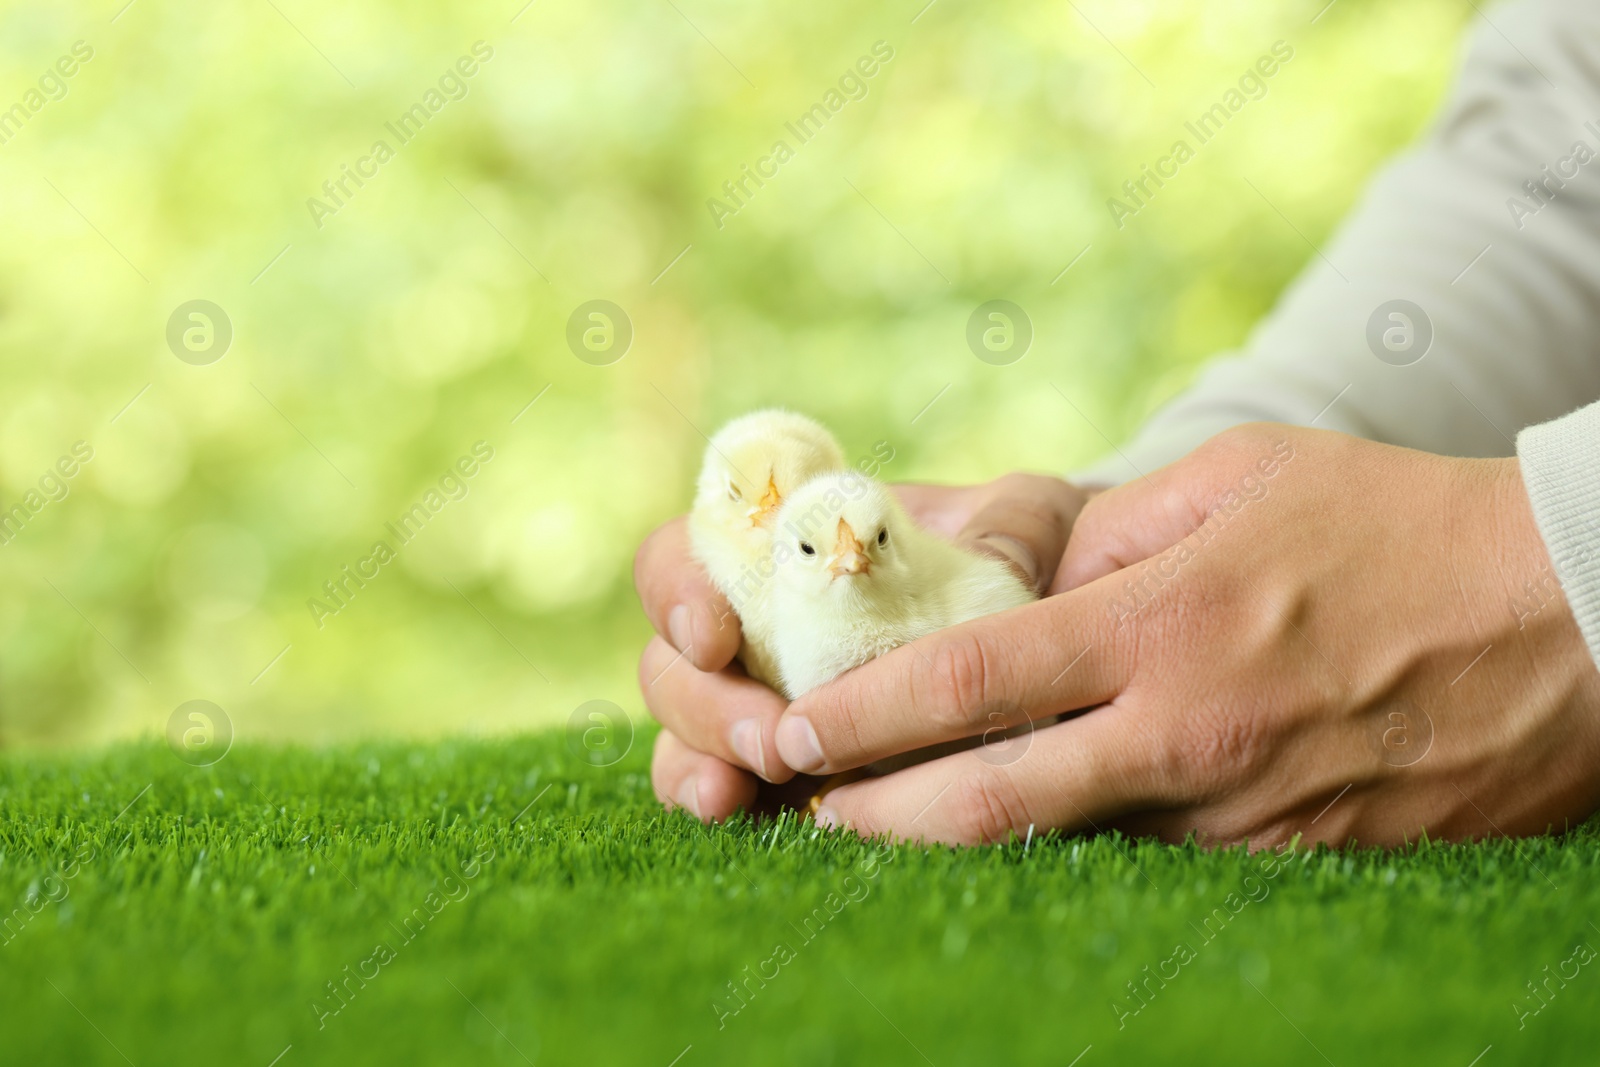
column 767, row 507
column 850, row 557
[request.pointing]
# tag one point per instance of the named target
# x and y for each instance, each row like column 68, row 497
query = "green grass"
column 202, row 924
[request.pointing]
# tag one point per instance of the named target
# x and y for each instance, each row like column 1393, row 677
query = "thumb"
column 1025, row 521
column 1138, row 520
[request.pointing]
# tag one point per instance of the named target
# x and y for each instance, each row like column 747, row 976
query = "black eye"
column 734, row 493
column 883, row 536
column 807, row 549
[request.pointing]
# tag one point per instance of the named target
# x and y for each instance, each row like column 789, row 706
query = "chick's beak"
column 766, row 508
column 850, row 556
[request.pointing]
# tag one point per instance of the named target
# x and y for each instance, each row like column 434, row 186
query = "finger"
column 1025, row 522
column 1076, row 775
column 1147, row 516
column 708, row 787
column 724, row 714
column 1059, row 654
column 939, row 509
column 680, row 601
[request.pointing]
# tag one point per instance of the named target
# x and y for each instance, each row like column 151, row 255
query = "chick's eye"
column 807, row 549
column 734, row 493
column 883, row 536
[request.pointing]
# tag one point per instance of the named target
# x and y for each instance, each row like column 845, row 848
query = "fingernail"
column 1016, row 552
column 745, row 740
column 826, row 817
column 797, row 744
column 688, row 796
column 680, row 627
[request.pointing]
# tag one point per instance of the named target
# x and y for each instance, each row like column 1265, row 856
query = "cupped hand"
column 1287, row 632
column 717, row 740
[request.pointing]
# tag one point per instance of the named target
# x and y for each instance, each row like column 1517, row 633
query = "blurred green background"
column 370, row 353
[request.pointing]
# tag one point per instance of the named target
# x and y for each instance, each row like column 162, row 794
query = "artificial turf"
column 165, row 914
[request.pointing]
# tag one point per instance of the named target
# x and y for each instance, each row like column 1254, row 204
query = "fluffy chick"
column 750, row 467
column 856, row 578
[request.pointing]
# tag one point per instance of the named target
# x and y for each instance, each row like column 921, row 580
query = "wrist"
column 1536, row 610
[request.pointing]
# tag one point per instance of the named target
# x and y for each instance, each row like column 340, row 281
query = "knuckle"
column 987, row 808
column 1154, row 765
column 1246, row 435
column 1234, row 826
column 1093, row 514
column 841, row 737
column 1018, row 480
column 1098, row 528
column 643, row 673
column 1271, row 833
column 1226, row 450
column 1243, row 446
column 1030, row 492
column 1053, row 501
column 661, row 768
column 1167, row 764
column 1215, row 446
column 651, row 662
column 963, row 664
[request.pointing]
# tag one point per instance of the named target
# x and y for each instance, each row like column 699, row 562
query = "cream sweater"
column 1491, row 226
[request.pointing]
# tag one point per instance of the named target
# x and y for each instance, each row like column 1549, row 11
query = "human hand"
column 1348, row 649
column 718, row 724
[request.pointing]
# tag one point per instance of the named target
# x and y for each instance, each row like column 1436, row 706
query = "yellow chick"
column 857, row 578
column 750, row 466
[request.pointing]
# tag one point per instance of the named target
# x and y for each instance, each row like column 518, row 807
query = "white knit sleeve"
column 1560, row 463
